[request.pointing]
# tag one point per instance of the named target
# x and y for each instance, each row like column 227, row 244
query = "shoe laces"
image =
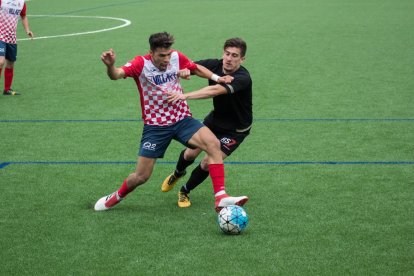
column 183, row 197
column 115, row 194
column 109, row 196
column 172, row 179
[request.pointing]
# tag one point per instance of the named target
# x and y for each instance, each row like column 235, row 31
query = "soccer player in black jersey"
column 230, row 120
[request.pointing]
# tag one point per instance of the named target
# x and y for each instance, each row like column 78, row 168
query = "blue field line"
column 336, row 119
column 255, row 120
column 72, row 121
column 5, row 164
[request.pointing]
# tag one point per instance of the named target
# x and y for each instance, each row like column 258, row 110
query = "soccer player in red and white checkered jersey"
column 10, row 11
column 156, row 74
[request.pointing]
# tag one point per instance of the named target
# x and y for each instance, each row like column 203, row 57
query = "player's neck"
column 227, row 72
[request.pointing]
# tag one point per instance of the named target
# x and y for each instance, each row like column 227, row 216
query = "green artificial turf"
column 328, row 167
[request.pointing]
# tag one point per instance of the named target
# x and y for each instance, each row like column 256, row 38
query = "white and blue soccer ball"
column 232, row 219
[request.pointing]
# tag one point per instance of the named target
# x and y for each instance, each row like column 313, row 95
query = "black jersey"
column 232, row 111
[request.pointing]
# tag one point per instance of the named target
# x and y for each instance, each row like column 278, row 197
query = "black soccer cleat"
column 10, row 92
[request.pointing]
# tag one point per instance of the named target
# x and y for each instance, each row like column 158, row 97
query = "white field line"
column 125, row 23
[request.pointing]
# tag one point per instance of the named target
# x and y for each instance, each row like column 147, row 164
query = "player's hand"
column 225, row 79
column 184, row 74
column 30, row 34
column 108, row 57
column 173, row 97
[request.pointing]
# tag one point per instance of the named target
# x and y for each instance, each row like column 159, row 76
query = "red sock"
column 217, row 177
column 0, row 72
column 124, row 190
column 8, row 78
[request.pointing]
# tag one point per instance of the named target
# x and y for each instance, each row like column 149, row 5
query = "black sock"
column 198, row 175
column 182, row 164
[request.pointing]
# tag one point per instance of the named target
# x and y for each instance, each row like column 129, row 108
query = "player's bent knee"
column 191, row 154
column 213, row 147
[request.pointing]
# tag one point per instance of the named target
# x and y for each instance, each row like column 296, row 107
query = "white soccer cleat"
column 107, row 202
column 226, row 200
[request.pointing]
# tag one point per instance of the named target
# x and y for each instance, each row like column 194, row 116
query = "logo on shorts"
column 149, row 146
column 228, row 141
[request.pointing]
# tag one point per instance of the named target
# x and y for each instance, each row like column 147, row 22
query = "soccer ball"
column 232, row 219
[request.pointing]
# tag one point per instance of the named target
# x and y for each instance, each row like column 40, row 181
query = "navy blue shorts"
column 156, row 139
column 8, row 50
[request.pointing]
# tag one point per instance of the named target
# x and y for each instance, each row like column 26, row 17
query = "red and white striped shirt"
column 153, row 86
column 10, row 10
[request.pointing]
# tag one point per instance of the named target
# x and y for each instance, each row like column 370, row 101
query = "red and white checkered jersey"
column 10, row 10
column 153, row 86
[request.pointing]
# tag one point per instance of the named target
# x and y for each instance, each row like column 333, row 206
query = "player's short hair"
column 238, row 43
column 161, row 40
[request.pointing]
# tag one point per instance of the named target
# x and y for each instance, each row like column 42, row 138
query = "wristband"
column 214, row 77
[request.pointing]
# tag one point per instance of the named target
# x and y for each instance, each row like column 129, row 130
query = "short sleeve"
column 134, row 67
column 241, row 81
column 23, row 12
column 185, row 62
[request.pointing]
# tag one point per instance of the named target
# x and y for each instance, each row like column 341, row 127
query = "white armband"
column 214, row 77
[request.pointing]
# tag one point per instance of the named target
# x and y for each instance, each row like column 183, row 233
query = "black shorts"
column 229, row 140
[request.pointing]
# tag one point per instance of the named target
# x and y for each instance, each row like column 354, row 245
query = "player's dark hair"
column 161, row 40
column 238, row 43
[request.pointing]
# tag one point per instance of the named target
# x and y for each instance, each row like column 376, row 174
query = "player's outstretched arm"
column 203, row 93
column 108, row 58
column 203, row 72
